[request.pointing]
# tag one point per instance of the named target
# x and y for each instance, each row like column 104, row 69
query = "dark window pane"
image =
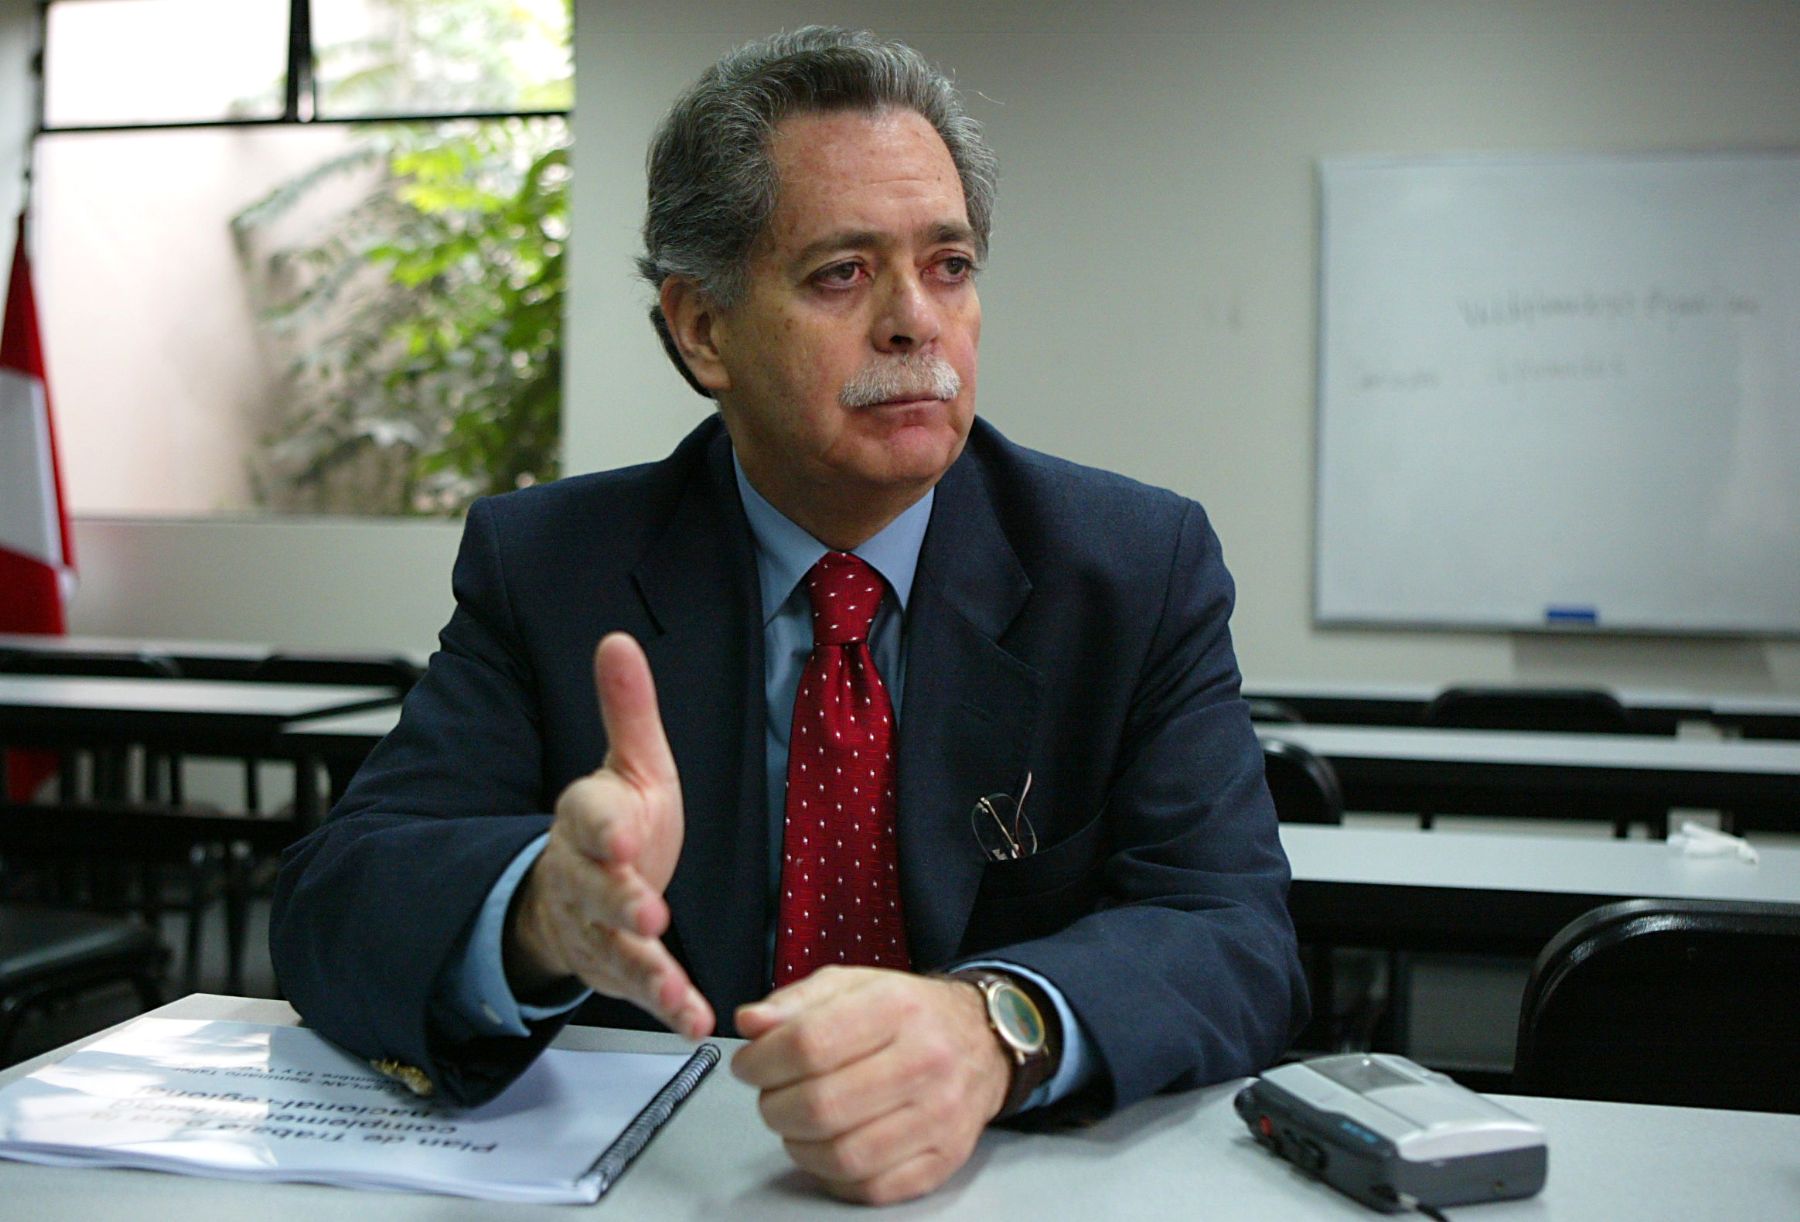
column 385, row 57
column 164, row 61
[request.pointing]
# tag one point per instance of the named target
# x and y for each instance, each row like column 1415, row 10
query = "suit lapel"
column 969, row 709
column 699, row 585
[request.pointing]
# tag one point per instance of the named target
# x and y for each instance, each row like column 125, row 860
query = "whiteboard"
column 1560, row 393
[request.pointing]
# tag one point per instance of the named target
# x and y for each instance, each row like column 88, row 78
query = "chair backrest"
column 1684, row 1002
column 1574, row 710
column 1556, row 710
column 1304, row 786
column 374, row 669
column 136, row 831
column 101, row 664
column 1263, row 709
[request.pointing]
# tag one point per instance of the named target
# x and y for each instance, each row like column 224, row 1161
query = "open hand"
column 592, row 906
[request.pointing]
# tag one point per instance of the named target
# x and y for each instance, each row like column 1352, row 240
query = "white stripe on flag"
column 28, row 518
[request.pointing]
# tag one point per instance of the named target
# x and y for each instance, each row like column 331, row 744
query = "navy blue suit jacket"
column 1063, row 621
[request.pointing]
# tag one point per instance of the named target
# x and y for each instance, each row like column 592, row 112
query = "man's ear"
column 692, row 319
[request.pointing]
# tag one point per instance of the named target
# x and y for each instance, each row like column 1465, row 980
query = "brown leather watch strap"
column 1030, row 1068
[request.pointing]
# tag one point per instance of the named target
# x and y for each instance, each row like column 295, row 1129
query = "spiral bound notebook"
column 611, row 1165
column 260, row 1102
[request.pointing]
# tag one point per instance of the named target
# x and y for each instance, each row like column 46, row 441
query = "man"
column 1053, row 790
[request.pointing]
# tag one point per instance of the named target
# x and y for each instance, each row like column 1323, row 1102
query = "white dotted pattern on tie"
column 843, row 702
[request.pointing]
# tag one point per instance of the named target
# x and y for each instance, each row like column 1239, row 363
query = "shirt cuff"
column 1076, row 1067
column 474, row 990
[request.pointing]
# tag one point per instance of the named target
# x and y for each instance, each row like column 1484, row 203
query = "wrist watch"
column 1025, row 1024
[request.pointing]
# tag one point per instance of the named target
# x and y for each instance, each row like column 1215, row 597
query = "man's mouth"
column 901, row 381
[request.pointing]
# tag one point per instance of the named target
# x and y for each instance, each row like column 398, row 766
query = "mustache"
column 912, row 376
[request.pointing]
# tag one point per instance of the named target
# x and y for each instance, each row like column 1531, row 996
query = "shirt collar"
column 785, row 551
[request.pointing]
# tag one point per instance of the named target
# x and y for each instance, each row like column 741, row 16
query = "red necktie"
column 840, row 877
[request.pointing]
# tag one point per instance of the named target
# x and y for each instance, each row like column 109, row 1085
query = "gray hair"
column 712, row 177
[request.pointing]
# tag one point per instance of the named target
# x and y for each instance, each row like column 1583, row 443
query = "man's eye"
column 838, row 274
column 957, row 267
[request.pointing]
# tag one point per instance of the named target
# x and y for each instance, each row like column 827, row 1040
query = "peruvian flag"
column 37, row 564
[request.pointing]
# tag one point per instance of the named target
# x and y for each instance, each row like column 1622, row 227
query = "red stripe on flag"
column 22, row 349
column 31, row 594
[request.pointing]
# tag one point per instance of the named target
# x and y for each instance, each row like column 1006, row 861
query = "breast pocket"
column 1038, row 895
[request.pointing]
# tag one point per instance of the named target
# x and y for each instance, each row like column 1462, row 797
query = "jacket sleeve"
column 1186, row 973
column 370, row 906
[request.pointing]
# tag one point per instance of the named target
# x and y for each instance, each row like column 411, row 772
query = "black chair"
column 1550, row 711
column 1776, row 816
column 1347, row 1001
column 105, row 664
column 365, row 669
column 155, row 837
column 104, row 773
column 345, row 669
column 1304, row 785
column 1684, row 1002
column 1275, row 711
column 50, row 955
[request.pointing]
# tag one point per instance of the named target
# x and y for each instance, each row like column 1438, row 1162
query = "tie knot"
column 845, row 593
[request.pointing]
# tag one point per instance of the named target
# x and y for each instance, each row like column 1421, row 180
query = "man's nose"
column 909, row 319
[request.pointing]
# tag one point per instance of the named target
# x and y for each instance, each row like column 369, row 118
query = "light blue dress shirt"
column 475, row 998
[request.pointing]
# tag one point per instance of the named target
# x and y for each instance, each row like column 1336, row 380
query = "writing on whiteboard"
column 1658, row 304
column 1586, row 367
column 1398, row 379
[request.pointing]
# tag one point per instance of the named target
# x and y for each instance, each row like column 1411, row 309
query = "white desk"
column 1654, row 710
column 340, row 742
column 1407, row 768
column 1495, row 891
column 1453, row 890
column 352, row 732
column 200, row 715
column 196, row 659
column 1445, row 770
column 1184, row 1156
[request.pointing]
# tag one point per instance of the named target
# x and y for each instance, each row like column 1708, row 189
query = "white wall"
column 1149, row 303
column 132, row 243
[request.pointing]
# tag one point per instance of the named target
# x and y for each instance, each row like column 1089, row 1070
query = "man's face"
column 849, row 365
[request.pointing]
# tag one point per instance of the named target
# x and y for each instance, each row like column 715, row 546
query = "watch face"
column 1018, row 1018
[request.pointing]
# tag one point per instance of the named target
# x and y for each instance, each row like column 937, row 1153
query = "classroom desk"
column 1451, row 770
column 339, row 742
column 1495, row 892
column 1651, row 710
column 183, row 716
column 197, row 659
column 1759, row 716
column 202, row 716
column 1522, row 888
column 1181, row 1156
column 348, row 734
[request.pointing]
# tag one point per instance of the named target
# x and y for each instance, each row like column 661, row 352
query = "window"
column 303, row 255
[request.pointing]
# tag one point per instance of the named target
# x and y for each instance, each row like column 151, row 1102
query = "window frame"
column 300, row 93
